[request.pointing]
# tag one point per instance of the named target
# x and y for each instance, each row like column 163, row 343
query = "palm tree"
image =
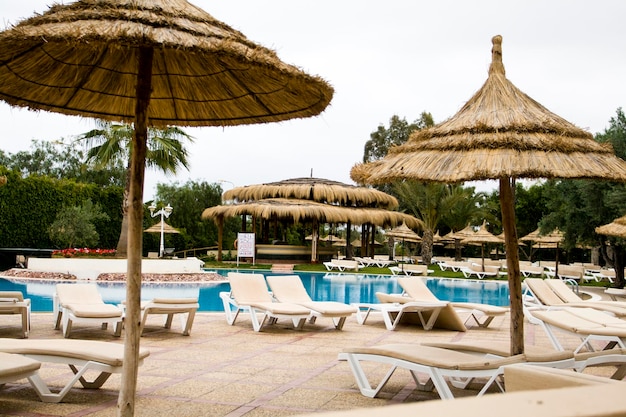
column 111, row 144
column 438, row 204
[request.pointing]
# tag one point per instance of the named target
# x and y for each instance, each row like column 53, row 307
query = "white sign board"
column 245, row 246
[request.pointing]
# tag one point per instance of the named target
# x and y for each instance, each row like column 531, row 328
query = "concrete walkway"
column 223, row 370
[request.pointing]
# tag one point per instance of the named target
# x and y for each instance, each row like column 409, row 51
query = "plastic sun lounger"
column 289, row 289
column 392, row 311
column 249, row 293
column 540, row 294
column 82, row 303
column 410, row 269
column 185, row 307
column 436, row 363
column 13, row 302
column 16, row 367
column 81, row 356
column 587, row 324
column 481, row 314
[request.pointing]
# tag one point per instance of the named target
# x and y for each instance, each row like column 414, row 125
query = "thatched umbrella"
column 482, row 236
column 547, row 241
column 148, row 62
column 315, row 189
column 156, row 228
column 404, row 233
column 500, row 133
column 616, row 228
column 307, row 211
column 457, row 237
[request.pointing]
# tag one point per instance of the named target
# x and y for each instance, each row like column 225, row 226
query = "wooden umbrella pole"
column 507, row 205
column 126, row 400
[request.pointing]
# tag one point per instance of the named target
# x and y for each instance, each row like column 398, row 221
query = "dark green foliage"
column 30, row 205
column 74, row 226
column 189, row 201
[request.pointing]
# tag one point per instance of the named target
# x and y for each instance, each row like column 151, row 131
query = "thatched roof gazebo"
column 148, row 62
column 319, row 190
column 500, row 133
column 307, row 211
column 315, row 189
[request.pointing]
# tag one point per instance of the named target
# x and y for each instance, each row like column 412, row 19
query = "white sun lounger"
column 392, row 312
column 541, row 294
column 482, row 314
column 289, row 289
column 15, row 367
column 436, row 363
column 82, row 303
column 587, row 324
column 82, row 356
column 13, row 302
column 249, row 293
column 185, row 307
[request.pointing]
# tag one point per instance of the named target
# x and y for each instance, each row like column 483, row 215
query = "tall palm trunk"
column 427, row 246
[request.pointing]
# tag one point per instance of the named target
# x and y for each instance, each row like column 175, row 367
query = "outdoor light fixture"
column 165, row 211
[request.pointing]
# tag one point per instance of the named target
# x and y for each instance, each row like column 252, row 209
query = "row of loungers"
column 288, row 299
column 83, row 303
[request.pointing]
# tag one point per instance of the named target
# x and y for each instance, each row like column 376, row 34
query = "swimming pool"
column 346, row 288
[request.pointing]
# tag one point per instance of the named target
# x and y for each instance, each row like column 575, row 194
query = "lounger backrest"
column 543, row 292
column 78, row 294
column 421, row 269
column 11, row 296
column 249, row 288
column 562, row 291
column 416, row 288
column 288, row 289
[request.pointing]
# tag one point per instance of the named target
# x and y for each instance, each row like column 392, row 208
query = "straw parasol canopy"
column 616, row 228
column 500, row 133
column 302, row 211
column 82, row 59
column 148, row 62
column 156, row 228
column 315, row 189
column 403, row 233
column 481, row 237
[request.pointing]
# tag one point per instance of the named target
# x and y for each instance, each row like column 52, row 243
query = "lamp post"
column 165, row 211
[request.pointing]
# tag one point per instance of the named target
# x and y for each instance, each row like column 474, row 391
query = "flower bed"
column 83, row 252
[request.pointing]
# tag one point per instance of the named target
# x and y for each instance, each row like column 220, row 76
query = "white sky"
column 384, row 58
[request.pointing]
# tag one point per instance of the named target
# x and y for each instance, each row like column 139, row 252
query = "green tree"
column 74, row 226
column 111, row 144
column 438, row 204
column 61, row 160
column 189, row 201
column 397, row 133
column 577, row 207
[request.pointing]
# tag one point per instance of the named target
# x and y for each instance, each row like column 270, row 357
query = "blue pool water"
column 346, row 288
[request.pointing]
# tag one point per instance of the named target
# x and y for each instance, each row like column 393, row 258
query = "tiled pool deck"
column 223, row 370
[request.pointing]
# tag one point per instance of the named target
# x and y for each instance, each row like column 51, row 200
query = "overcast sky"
column 384, row 58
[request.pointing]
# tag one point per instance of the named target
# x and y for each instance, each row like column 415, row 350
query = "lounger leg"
column 298, row 324
column 187, row 325
column 362, row 315
column 256, row 324
column 361, row 379
column 96, row 383
column 440, row 384
column 431, row 320
column 25, row 323
column 67, row 325
column 339, row 323
column 168, row 321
